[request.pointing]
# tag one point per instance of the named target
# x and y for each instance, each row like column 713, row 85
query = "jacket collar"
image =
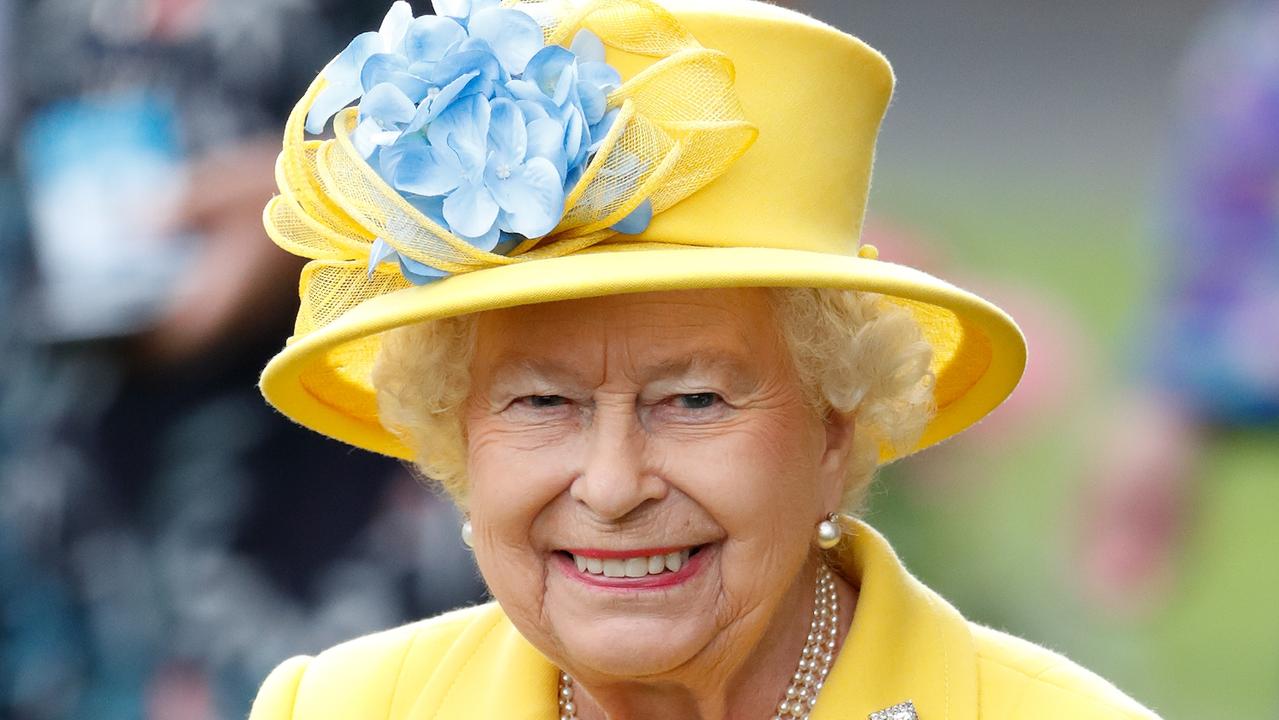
column 905, row 643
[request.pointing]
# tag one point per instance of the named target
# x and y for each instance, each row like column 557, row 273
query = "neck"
column 723, row 685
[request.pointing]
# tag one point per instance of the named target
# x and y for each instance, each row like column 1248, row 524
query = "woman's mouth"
column 645, row 568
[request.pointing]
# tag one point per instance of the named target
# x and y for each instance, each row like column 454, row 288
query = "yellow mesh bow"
column 679, row 118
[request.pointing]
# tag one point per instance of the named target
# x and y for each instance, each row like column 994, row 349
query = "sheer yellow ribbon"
column 679, row 127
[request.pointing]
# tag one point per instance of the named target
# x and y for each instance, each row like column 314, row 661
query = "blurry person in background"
column 1214, row 335
column 164, row 539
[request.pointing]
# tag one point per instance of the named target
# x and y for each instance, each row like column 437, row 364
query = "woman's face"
column 661, row 437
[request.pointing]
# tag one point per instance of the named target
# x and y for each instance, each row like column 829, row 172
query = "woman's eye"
column 697, row 401
column 543, row 401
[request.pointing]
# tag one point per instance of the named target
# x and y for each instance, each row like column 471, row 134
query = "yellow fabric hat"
column 755, row 127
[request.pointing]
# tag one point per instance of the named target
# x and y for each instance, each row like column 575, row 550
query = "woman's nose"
column 614, row 479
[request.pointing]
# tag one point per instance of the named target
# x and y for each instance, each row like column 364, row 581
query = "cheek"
column 757, row 481
column 514, row 476
column 514, row 471
column 762, row 470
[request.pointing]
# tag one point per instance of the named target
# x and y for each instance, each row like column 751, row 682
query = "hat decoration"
column 479, row 139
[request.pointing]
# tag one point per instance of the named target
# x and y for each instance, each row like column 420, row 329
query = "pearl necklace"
column 814, row 663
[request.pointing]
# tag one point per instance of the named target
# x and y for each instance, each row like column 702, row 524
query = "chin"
column 632, row 647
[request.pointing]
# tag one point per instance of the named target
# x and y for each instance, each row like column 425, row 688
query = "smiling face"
column 659, row 436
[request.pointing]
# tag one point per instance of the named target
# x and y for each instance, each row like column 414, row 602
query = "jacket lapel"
column 905, row 643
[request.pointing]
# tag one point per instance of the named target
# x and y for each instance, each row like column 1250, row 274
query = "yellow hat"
column 755, row 130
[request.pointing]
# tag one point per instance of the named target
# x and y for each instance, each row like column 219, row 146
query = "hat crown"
column 818, row 96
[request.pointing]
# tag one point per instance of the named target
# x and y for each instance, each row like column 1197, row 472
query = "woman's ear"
column 840, row 427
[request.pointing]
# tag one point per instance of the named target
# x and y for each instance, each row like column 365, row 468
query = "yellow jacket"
column 905, row 643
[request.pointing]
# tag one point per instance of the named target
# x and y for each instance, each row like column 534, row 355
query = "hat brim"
column 321, row 380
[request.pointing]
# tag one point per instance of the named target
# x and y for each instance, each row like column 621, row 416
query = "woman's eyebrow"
column 523, row 368
column 730, row 364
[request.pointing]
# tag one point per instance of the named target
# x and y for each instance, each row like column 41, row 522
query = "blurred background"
column 1108, row 172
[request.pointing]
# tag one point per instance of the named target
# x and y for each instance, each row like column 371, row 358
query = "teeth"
column 632, row 567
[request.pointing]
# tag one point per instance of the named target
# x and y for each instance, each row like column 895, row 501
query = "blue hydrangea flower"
column 474, row 121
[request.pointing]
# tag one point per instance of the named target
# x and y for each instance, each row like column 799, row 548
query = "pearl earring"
column 467, row 540
column 829, row 532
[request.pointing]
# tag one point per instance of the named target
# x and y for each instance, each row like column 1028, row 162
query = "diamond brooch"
column 900, row 711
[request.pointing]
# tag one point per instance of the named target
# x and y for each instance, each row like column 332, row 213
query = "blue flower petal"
column 464, row 126
column 465, row 61
column 462, row 10
column 587, row 47
column 433, row 105
column 545, row 140
column 637, row 221
column 343, row 81
column 532, row 196
column 500, row 91
column 414, row 87
column 573, row 127
column 573, row 176
column 601, row 129
column 362, row 136
column 493, row 72
column 594, row 104
column 508, row 138
column 506, row 243
column 430, row 38
column 419, row 273
column 388, row 105
column 394, row 26
column 545, row 68
column 458, row 9
column 422, row 68
column 525, row 90
column 514, row 36
column 487, row 241
column 389, row 157
column 601, row 75
column 455, row 89
column 390, row 68
column 471, row 210
column 534, row 110
column 565, row 85
column 378, row 68
column 432, row 207
column 380, row 253
column 368, row 135
column 532, row 102
column 428, row 170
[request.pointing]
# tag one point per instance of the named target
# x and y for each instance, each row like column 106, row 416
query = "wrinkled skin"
column 642, row 421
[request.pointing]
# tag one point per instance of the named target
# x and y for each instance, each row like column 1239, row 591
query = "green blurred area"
column 998, row 535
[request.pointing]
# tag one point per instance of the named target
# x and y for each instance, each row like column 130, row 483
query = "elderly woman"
column 594, row 267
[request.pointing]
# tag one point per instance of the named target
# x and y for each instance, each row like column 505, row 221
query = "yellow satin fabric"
column 905, row 643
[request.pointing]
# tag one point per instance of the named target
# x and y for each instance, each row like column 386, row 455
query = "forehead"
column 686, row 326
